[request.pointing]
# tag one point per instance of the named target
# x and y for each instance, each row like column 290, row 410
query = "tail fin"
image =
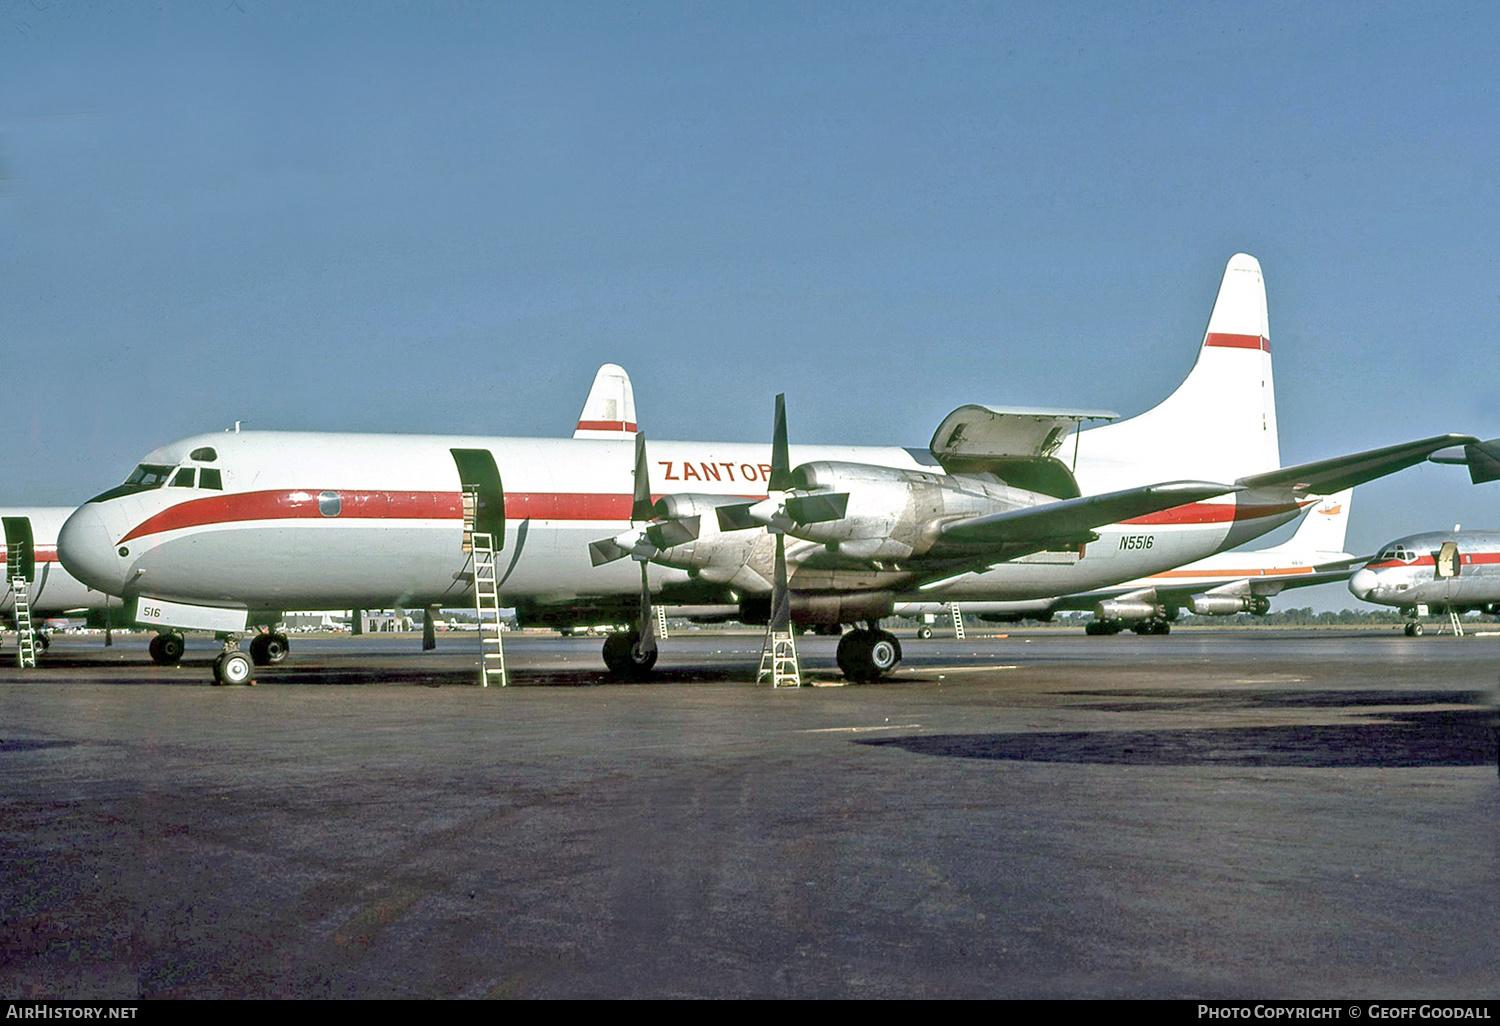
column 609, row 411
column 1220, row 423
column 1325, row 527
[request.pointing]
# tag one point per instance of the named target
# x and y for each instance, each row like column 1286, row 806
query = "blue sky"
column 443, row 216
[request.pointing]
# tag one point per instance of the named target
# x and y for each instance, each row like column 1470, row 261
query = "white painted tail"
column 1324, row 529
column 609, row 411
column 1220, row 423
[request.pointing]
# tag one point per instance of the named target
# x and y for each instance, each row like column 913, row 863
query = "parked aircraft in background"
column 1451, row 572
column 1221, row 585
column 219, row 531
column 31, row 544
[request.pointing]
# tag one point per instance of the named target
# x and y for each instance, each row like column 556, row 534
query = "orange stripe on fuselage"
column 1220, row 339
column 1262, row 572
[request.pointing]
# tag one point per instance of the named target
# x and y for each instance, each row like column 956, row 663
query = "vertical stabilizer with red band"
column 1220, row 423
column 609, row 411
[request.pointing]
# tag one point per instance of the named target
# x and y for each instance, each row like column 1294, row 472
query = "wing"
column 1070, row 521
column 1332, row 475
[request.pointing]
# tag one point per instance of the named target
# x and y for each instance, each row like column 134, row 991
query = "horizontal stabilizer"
column 1075, row 518
column 1482, row 459
column 1340, row 472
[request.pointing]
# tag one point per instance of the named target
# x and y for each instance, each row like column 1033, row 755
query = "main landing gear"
column 166, row 648
column 625, row 658
column 868, row 653
column 269, row 649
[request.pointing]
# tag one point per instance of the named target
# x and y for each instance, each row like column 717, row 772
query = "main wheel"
column 269, row 649
column 233, row 668
column 866, row 655
column 624, row 658
column 924, row 632
column 166, row 649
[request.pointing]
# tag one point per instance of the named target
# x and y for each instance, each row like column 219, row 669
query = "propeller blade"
column 736, row 517
column 606, row 550
column 664, row 534
column 781, row 463
column 818, row 507
column 640, row 507
column 647, row 643
column 781, row 598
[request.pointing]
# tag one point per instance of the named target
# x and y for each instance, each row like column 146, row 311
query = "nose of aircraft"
column 86, row 547
column 1362, row 583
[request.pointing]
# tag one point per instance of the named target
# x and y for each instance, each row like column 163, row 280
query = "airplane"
column 1220, row 585
column 31, row 537
column 1451, row 572
column 31, row 547
column 212, row 531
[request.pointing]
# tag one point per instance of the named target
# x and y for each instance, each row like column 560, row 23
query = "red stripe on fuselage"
column 239, row 507
column 1219, row 339
column 1464, row 558
column 1214, row 513
column 606, row 425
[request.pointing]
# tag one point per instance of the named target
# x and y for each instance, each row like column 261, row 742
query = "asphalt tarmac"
column 1252, row 814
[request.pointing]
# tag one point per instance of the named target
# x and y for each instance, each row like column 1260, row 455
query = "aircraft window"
column 329, row 504
column 143, row 478
column 184, row 478
column 204, row 454
column 1387, row 554
column 149, row 475
column 208, row 477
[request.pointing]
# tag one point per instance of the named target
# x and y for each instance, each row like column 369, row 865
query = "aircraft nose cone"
column 86, row 547
column 1362, row 583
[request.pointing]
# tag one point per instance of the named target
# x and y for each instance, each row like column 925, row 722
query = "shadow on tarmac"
column 1464, row 738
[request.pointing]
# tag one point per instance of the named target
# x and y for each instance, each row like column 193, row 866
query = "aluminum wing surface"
column 1070, row 521
column 1482, row 459
column 1324, row 477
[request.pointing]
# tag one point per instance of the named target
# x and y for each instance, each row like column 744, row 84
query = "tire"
column 233, row 668
column 884, row 653
column 269, row 649
column 924, row 632
column 623, row 658
column 166, row 649
column 865, row 655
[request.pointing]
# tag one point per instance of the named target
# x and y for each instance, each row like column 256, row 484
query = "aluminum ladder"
column 25, row 635
column 778, row 660
column 487, row 610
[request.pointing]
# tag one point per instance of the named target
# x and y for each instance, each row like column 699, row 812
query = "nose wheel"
column 233, row 667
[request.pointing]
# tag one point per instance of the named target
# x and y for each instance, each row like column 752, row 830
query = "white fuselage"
column 52, row 590
column 340, row 520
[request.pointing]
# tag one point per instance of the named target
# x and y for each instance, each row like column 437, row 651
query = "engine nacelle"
column 715, row 555
column 1129, row 609
column 814, row 608
column 894, row 513
column 1228, row 605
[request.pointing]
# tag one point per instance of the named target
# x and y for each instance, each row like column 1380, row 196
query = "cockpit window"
column 184, row 478
column 208, row 477
column 1399, row 553
column 144, row 478
column 203, row 454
